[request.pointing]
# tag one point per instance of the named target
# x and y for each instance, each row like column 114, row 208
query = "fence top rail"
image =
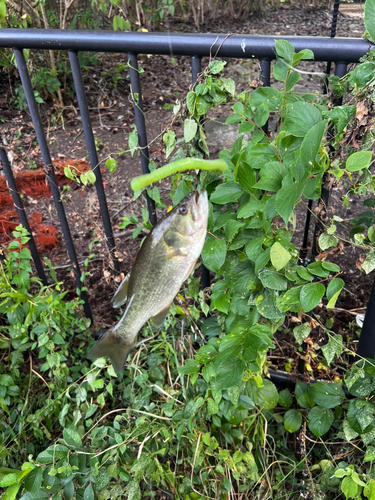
column 185, row 44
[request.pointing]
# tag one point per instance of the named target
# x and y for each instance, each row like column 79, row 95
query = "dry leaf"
column 361, row 110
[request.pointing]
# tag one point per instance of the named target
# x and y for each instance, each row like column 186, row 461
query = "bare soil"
column 164, row 80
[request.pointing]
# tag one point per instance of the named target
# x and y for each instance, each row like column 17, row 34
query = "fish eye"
column 183, row 210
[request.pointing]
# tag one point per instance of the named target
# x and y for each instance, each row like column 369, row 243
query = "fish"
column 164, row 262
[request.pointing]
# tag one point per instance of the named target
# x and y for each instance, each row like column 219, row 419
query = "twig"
column 347, row 311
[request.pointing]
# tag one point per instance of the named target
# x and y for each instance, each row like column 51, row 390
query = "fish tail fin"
column 108, row 346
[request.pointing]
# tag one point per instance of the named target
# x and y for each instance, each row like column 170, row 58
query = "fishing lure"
column 143, row 181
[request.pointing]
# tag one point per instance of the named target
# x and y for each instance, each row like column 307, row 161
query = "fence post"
column 22, row 214
column 141, row 126
column 38, row 126
column 93, row 156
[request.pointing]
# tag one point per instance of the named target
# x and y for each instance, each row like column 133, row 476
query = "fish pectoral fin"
column 159, row 318
column 121, row 294
column 109, row 346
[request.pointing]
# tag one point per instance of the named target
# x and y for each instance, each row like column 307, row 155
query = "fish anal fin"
column 159, row 318
column 121, row 294
column 109, row 346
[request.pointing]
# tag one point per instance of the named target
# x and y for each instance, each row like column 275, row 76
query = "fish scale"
column 163, row 263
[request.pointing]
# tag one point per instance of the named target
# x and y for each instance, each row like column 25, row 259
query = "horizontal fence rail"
column 341, row 51
column 183, row 44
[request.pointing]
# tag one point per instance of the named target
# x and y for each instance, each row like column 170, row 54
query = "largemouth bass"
column 163, row 263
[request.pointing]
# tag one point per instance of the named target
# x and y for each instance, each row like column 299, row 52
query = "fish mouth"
column 198, row 208
column 199, row 205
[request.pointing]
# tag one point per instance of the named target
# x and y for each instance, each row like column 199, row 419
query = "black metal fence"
column 340, row 51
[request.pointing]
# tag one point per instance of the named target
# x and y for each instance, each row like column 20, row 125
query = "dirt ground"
column 164, row 80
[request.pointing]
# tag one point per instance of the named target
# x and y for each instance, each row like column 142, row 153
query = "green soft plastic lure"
column 143, row 181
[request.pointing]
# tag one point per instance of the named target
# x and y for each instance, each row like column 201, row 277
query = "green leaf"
column 226, row 193
column 169, row 139
column 133, row 141
column 292, row 420
column 190, row 102
column 286, row 198
column 181, row 191
column 88, row 493
column 369, row 263
column 68, row 173
column 311, row 295
column 358, row 161
column 300, row 118
column 190, row 367
column 280, row 69
column 311, row 144
column 285, row 398
column 269, row 96
column 119, row 23
column 52, row 453
column 369, row 455
column 10, row 479
column 349, row 487
column 320, row 420
column 214, row 253
column 246, row 127
column 284, row 49
column 4, row 406
column 333, row 291
column 190, row 129
column 254, row 248
column 369, row 489
column 111, row 165
column 272, row 279
column 303, row 396
column 279, row 256
column 228, row 373
column 318, row 269
column 38, row 495
column 72, row 438
column 370, row 18
column 333, row 348
column 292, row 79
column 3, row 9
column 301, row 332
column 212, row 407
column 6, row 381
column 11, row 492
column 229, row 86
column 33, row 480
column 265, row 304
column 327, row 241
column 267, row 396
column 216, row 66
column 231, row 228
column 327, row 394
column 90, row 176
column 234, row 118
column 261, row 115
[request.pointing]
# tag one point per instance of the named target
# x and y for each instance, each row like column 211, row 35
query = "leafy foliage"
column 197, row 415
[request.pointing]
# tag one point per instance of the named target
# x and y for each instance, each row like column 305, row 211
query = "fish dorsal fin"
column 121, row 294
column 159, row 318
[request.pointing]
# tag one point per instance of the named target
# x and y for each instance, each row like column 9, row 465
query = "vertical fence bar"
column 340, row 71
column 38, row 126
column 333, row 34
column 93, row 156
column 22, row 214
column 141, row 126
column 265, row 72
column 265, row 78
column 196, row 68
column 366, row 346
